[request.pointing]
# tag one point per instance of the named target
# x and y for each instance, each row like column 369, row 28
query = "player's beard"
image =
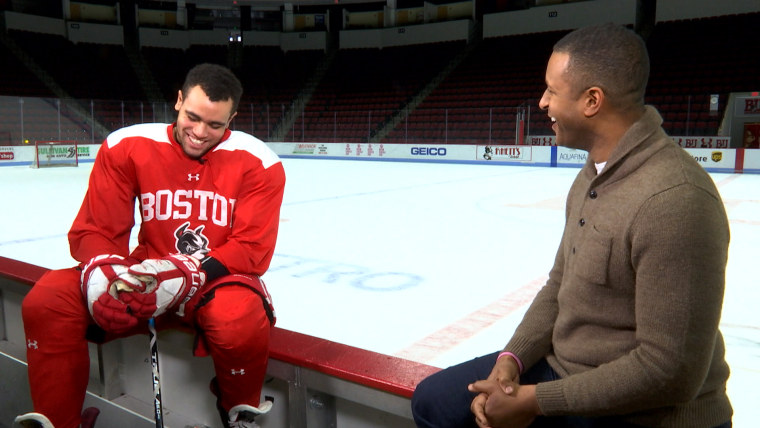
column 191, row 149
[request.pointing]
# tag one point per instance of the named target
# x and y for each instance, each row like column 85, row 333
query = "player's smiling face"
column 201, row 123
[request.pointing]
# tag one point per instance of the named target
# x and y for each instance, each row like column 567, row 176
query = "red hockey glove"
column 165, row 283
column 102, row 278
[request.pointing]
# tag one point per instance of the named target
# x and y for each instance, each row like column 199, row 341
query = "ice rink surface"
column 431, row 262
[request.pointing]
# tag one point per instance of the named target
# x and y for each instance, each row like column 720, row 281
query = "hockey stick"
column 157, row 410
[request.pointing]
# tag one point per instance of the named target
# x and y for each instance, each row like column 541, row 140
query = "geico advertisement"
column 505, row 153
column 395, row 151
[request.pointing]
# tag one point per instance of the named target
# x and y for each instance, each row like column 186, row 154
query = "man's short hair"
column 611, row 57
column 218, row 82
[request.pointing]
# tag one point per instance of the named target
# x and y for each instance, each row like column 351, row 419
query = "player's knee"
column 31, row 304
column 46, row 313
column 234, row 320
column 38, row 304
column 57, row 294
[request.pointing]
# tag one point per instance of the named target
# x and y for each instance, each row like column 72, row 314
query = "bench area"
column 314, row 382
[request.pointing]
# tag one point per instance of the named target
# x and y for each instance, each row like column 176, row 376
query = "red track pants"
column 232, row 326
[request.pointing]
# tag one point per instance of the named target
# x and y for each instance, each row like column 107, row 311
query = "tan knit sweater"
column 629, row 316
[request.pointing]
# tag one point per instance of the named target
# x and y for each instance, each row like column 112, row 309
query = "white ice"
column 427, row 261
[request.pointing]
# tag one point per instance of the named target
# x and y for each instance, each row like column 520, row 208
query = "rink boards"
column 713, row 153
column 314, row 382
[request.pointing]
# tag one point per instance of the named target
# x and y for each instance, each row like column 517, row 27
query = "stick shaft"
column 157, row 406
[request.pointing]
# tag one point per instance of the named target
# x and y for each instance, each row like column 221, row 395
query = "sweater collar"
column 633, row 148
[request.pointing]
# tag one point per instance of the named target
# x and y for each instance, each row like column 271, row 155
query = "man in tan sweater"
column 625, row 331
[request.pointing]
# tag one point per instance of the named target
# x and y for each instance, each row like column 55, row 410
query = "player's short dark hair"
column 218, row 82
column 611, row 57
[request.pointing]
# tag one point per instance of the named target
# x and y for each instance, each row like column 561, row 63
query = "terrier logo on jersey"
column 191, row 241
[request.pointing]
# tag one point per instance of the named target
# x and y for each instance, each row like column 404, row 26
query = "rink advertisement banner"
column 10, row 154
column 418, row 152
column 430, row 152
column 525, row 154
column 718, row 160
column 504, row 153
column 571, row 157
column 712, row 159
column 24, row 155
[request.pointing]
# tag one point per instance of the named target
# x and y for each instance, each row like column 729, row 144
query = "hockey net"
column 55, row 153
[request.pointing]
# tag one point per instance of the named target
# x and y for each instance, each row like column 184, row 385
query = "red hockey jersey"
column 225, row 204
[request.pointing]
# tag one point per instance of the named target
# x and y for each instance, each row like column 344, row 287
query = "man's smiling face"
column 201, row 123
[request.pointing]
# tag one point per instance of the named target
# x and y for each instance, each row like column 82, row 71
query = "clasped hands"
column 501, row 401
column 121, row 292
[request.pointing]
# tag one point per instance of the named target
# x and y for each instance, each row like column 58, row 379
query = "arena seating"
column 692, row 59
column 84, row 70
column 364, row 88
column 272, row 79
column 16, row 79
column 165, row 64
column 479, row 100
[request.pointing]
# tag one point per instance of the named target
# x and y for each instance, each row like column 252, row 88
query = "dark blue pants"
column 443, row 401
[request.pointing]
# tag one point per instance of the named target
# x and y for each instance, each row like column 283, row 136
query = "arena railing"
column 24, row 120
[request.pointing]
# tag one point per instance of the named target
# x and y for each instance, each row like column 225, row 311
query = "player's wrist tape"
column 514, row 357
column 214, row 269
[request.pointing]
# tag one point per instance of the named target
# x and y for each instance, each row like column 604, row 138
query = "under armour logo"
column 191, row 177
column 32, row 344
column 237, row 372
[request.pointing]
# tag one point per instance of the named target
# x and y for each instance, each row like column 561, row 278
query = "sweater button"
column 582, row 222
column 592, row 194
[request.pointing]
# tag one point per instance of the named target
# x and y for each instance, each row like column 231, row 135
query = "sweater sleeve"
column 679, row 242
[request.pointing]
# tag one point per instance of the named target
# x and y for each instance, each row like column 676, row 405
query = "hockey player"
column 210, row 200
